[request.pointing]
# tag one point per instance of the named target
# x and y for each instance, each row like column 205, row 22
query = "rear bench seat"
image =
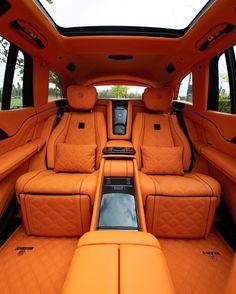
column 178, row 203
column 58, row 201
column 113, row 262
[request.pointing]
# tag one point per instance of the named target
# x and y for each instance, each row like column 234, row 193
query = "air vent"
column 71, row 67
column 120, row 57
column 29, row 32
column 170, row 68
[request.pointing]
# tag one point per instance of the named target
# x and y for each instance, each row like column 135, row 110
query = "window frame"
column 27, row 90
column 213, row 85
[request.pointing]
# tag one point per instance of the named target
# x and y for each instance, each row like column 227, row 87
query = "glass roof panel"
column 170, row 14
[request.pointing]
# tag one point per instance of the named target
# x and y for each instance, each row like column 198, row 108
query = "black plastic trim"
column 3, row 135
column 121, row 31
column 231, row 66
column 15, row 24
column 28, row 93
column 4, row 7
column 170, row 68
column 9, row 222
column 206, row 44
column 9, row 75
column 71, row 67
column 213, row 90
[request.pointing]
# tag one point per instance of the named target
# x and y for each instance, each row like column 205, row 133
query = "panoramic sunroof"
column 168, row 14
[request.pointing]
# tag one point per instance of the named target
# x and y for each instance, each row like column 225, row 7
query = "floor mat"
column 198, row 266
column 34, row 265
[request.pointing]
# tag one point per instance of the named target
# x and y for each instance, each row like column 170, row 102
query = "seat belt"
column 181, row 121
column 60, row 113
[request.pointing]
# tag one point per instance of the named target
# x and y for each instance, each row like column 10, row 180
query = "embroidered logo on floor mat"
column 213, row 255
column 22, row 250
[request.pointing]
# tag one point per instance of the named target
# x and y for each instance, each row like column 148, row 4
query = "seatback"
column 80, row 126
column 157, row 127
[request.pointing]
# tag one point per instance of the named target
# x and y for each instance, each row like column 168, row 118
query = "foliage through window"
column 54, row 87
column 222, row 82
column 16, row 77
column 224, row 104
column 17, row 85
column 4, row 48
column 185, row 90
column 120, row 92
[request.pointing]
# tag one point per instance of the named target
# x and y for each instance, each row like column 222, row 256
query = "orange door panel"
column 25, row 131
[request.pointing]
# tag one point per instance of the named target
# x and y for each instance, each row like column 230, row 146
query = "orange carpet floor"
column 33, row 265
column 30, row 265
column 198, row 266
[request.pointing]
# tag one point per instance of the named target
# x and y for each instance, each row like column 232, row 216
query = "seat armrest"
column 118, row 237
column 14, row 158
column 222, row 161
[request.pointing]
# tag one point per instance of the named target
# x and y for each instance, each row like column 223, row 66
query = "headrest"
column 82, row 97
column 158, row 99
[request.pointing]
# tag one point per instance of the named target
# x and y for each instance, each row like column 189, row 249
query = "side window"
column 224, row 104
column 16, row 77
column 4, row 49
column 54, row 87
column 222, row 83
column 17, row 85
column 185, row 89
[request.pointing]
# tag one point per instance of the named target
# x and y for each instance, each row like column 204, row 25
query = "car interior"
column 118, row 147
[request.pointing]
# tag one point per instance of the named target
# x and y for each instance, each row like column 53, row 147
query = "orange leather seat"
column 58, row 201
column 177, row 203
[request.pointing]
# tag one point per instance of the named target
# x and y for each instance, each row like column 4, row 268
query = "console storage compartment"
column 118, row 204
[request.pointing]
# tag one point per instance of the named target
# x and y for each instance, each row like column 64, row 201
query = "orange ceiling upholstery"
column 90, row 54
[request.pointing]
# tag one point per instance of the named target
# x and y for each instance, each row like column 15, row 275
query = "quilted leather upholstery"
column 162, row 160
column 58, row 202
column 176, row 205
column 180, row 217
column 69, row 217
column 69, row 158
column 40, row 270
column 51, row 183
column 191, row 184
column 193, row 270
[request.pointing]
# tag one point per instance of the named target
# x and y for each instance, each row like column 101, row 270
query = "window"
column 4, row 48
column 17, row 85
column 185, row 90
column 120, row 92
column 224, row 91
column 54, row 87
column 16, row 77
column 222, row 83
column 173, row 14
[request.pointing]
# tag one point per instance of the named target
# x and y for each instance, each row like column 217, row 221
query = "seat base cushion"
column 191, row 184
column 180, row 217
column 56, row 215
column 56, row 204
column 179, row 206
column 50, row 183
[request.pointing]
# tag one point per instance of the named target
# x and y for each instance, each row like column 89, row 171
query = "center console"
column 119, row 119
